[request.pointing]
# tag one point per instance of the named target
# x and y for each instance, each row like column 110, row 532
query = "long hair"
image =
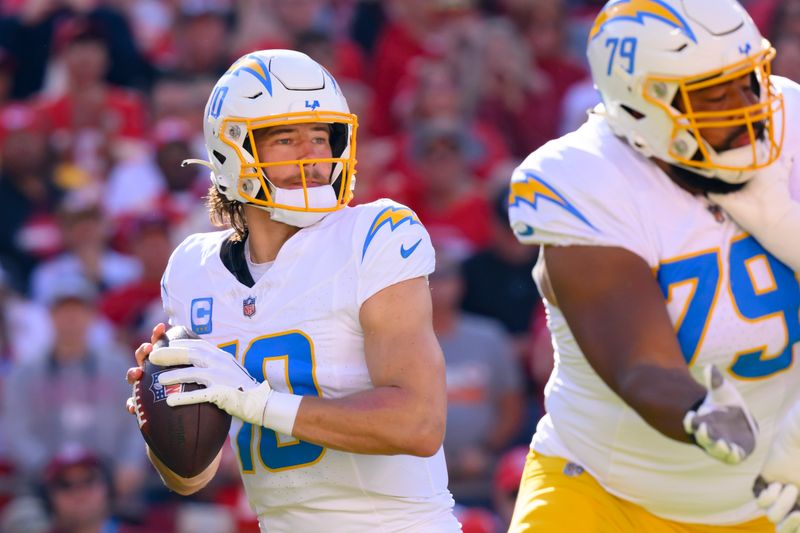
column 224, row 213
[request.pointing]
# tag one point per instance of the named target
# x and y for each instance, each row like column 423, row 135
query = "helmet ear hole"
column 219, row 157
column 632, row 112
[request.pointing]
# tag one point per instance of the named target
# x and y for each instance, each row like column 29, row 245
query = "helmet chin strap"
column 322, row 196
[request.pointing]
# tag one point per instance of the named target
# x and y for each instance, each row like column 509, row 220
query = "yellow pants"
column 551, row 500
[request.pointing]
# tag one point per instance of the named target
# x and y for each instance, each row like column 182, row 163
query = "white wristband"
column 280, row 411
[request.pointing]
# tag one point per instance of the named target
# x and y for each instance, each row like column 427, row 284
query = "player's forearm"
column 182, row 485
column 384, row 420
column 661, row 396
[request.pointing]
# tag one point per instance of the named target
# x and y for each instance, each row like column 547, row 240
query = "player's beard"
column 693, row 181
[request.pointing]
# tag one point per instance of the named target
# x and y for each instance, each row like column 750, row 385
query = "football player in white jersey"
column 675, row 323
column 315, row 317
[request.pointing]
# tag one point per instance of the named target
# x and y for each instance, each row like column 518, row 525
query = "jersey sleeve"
column 791, row 137
column 569, row 197
column 188, row 268
column 392, row 246
column 169, row 288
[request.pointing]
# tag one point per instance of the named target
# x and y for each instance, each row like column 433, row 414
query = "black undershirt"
column 232, row 255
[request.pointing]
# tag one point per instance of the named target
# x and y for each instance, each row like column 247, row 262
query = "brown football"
column 185, row 438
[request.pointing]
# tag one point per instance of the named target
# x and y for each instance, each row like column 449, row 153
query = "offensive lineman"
column 675, row 329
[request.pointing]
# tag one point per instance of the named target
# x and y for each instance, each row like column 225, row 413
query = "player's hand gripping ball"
column 185, row 438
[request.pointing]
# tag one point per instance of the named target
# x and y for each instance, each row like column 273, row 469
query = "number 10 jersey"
column 298, row 326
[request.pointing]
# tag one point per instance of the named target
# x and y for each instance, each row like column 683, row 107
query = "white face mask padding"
column 323, row 197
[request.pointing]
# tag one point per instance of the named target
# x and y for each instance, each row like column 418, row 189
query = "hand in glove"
column 228, row 385
column 776, row 489
column 722, row 425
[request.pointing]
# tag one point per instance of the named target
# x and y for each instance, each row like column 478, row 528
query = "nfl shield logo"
column 249, row 306
column 160, row 392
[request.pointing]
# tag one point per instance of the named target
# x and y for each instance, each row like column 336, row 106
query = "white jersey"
column 733, row 304
column 298, row 326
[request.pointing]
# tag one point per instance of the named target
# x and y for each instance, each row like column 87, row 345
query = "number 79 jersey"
column 298, row 327
column 731, row 302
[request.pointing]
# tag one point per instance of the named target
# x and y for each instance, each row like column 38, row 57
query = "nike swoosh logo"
column 525, row 231
column 406, row 252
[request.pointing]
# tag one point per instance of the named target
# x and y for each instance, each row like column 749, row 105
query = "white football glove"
column 722, row 425
column 764, row 207
column 779, row 502
column 776, row 489
column 227, row 385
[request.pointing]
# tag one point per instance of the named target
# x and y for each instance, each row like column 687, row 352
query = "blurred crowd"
column 100, row 101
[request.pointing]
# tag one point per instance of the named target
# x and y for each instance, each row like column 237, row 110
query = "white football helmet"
column 270, row 88
column 646, row 55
